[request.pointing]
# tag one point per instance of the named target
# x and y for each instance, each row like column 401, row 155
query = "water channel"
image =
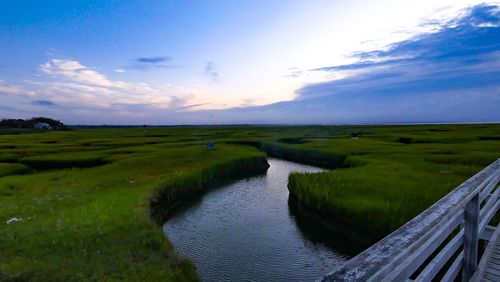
column 248, row 231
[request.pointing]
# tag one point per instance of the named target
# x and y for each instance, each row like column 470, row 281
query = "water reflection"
column 246, row 231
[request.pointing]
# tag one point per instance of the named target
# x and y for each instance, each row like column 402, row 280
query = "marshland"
column 89, row 203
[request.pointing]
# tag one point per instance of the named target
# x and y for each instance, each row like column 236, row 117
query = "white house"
column 42, row 125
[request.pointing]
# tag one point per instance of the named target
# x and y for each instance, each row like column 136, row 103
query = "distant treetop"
column 30, row 123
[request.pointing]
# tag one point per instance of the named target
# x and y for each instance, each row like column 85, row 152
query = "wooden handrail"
column 455, row 222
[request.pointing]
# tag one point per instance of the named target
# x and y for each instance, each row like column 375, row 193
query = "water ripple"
column 246, row 232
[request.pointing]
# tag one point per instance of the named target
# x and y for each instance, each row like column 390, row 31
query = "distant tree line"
column 30, row 123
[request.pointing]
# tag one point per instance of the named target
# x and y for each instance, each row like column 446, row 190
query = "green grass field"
column 84, row 198
column 388, row 180
column 89, row 201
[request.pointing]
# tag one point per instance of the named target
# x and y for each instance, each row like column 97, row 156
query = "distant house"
column 42, row 125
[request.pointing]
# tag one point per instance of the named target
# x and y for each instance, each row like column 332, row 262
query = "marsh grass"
column 94, row 223
column 388, row 181
column 12, row 168
column 87, row 202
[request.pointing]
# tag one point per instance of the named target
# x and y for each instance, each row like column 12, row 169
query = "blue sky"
column 223, row 62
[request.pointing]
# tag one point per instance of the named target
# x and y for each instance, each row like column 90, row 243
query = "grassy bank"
column 82, row 219
column 394, row 173
column 313, row 157
column 168, row 195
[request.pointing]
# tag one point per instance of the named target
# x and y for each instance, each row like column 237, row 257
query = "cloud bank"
column 449, row 75
column 464, row 54
column 69, row 90
column 8, row 88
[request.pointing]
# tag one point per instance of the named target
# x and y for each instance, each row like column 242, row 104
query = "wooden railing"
column 439, row 243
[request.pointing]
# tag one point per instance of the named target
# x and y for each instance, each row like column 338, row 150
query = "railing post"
column 471, row 225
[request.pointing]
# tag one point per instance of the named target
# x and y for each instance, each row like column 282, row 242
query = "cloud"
column 150, row 63
column 248, row 102
column 46, row 103
column 210, row 72
column 74, row 85
column 464, row 53
column 193, row 106
column 8, row 88
column 74, row 71
column 447, row 75
column 71, row 91
column 152, row 60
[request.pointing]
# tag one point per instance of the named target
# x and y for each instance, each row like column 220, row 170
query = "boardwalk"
column 441, row 242
column 489, row 268
column 492, row 272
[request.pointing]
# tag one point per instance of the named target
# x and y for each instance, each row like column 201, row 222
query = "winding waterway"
column 248, row 231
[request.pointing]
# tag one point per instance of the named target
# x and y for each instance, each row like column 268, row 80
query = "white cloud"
column 9, row 89
column 76, row 84
column 74, row 71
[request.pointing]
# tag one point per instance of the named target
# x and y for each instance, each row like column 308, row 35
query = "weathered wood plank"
column 487, row 260
column 440, row 259
column 489, row 204
column 412, row 262
column 495, row 257
column 487, row 218
column 454, row 269
column 493, row 180
column 492, row 266
column 491, row 277
column 495, row 260
column 471, row 238
column 487, row 233
column 493, row 271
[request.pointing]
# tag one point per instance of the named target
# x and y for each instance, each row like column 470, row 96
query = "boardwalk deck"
column 492, row 272
column 488, row 269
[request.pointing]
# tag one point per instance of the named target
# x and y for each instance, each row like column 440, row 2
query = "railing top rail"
column 401, row 243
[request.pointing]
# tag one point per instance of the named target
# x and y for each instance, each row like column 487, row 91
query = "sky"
column 263, row 62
